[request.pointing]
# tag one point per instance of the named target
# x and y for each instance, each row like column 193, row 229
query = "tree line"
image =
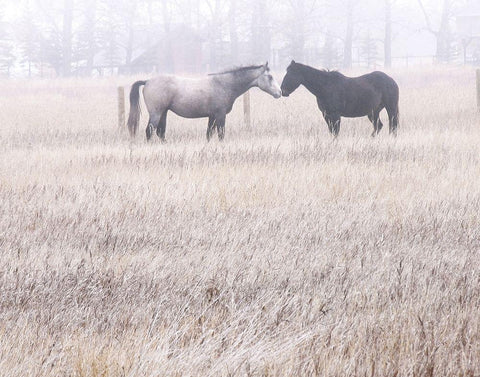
column 67, row 36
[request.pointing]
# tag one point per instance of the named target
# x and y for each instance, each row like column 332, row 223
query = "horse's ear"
column 266, row 64
column 293, row 62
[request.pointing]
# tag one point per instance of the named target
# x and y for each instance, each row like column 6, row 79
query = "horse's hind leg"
column 152, row 124
column 210, row 127
column 162, row 126
column 371, row 118
column 336, row 127
column 374, row 117
column 393, row 119
column 220, row 123
column 149, row 130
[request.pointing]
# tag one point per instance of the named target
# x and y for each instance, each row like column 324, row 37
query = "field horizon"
column 279, row 252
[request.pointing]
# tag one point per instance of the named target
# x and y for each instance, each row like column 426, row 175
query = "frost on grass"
column 279, row 252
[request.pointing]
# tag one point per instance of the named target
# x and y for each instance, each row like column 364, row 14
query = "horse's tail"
column 393, row 109
column 134, row 116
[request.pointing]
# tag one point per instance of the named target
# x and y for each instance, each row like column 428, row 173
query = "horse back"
column 158, row 91
column 187, row 97
column 384, row 84
column 363, row 94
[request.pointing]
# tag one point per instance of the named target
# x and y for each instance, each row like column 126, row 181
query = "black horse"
column 338, row 95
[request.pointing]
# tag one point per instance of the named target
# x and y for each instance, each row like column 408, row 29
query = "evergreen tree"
column 28, row 34
column 330, row 56
column 87, row 37
column 368, row 51
column 51, row 50
column 109, row 45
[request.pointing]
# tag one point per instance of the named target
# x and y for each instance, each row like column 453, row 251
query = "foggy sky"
column 409, row 29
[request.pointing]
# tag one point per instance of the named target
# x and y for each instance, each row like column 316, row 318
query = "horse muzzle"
column 285, row 93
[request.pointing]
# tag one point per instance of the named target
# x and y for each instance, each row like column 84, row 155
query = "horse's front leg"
column 333, row 122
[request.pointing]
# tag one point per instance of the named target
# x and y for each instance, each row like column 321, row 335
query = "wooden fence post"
column 478, row 89
column 121, row 108
column 246, row 109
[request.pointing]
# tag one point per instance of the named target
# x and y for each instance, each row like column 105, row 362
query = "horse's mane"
column 327, row 70
column 237, row 70
column 329, row 73
column 332, row 72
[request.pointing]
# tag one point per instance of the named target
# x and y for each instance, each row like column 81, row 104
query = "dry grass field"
column 280, row 252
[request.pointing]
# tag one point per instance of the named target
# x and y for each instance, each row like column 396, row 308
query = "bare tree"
column 168, row 38
column 442, row 33
column 368, row 50
column 87, row 37
column 299, row 19
column 233, row 31
column 348, row 44
column 387, row 47
column 214, row 26
column 299, row 32
column 345, row 10
column 57, row 38
column 260, row 35
column 67, row 40
column 130, row 8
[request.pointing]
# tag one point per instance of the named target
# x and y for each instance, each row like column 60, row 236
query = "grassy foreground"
column 279, row 252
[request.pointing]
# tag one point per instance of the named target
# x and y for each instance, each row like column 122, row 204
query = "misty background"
column 52, row 38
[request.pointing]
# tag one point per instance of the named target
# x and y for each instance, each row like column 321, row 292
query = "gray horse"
column 211, row 96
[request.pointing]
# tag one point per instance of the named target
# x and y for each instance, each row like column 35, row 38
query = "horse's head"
column 292, row 79
column 267, row 83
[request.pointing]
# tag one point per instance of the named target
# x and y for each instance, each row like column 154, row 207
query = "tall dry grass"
column 279, row 252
